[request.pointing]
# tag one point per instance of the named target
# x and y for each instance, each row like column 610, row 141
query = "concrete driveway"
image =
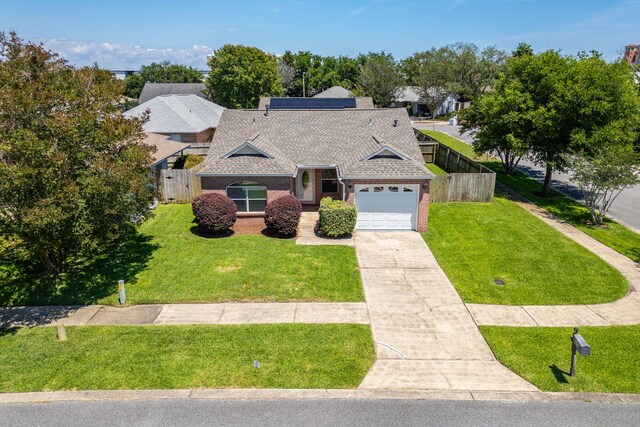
column 425, row 337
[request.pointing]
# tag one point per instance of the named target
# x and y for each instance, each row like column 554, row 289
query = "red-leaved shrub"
column 282, row 215
column 215, row 213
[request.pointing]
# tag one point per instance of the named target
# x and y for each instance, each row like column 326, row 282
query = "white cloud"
column 125, row 55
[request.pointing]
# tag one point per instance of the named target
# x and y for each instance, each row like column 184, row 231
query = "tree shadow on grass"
column 86, row 280
column 561, row 376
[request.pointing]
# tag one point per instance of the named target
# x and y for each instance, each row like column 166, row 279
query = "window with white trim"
column 248, row 196
column 329, row 181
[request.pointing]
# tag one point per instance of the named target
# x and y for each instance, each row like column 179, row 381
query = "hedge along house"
column 368, row 157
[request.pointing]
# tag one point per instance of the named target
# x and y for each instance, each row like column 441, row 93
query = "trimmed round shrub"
column 215, row 213
column 337, row 218
column 282, row 215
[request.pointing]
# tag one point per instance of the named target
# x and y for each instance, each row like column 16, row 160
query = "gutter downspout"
column 344, row 187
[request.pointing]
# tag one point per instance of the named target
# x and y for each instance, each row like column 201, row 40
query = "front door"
column 306, row 185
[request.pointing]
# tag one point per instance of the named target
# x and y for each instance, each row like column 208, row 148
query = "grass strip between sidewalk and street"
column 180, row 357
column 615, row 235
column 542, row 356
column 477, row 243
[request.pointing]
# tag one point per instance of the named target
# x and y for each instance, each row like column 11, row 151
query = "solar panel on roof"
column 311, row 103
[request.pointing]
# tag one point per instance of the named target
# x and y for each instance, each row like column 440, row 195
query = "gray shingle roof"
column 294, row 138
column 334, row 92
column 164, row 146
column 178, row 114
column 151, row 90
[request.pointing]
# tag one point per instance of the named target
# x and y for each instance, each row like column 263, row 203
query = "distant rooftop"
column 335, row 92
column 152, row 90
column 178, row 114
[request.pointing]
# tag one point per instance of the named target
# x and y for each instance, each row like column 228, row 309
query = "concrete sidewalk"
column 425, row 337
column 186, row 314
column 625, row 311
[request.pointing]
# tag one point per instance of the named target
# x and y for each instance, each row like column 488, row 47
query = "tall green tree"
column 380, row 79
column 434, row 76
column 74, row 173
column 475, row 70
column 163, row 72
column 240, row 75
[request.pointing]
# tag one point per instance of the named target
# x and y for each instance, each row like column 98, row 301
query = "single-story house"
column 166, row 151
column 152, row 90
column 410, row 96
column 367, row 157
column 313, row 103
column 184, row 118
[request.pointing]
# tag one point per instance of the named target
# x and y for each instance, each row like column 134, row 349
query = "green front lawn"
column 616, row 236
column 171, row 263
column 542, row 356
column 476, row 243
column 178, row 357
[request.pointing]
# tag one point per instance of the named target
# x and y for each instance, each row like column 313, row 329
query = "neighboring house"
column 369, row 158
column 324, row 103
column 410, row 96
column 335, row 92
column 152, row 90
column 167, row 150
column 184, row 118
column 631, row 54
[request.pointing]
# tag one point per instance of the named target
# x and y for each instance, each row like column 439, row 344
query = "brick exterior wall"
column 277, row 186
column 423, row 201
column 319, row 194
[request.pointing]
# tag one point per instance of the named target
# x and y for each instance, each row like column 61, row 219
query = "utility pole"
column 304, row 92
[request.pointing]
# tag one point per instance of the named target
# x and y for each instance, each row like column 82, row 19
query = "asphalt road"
column 626, row 208
column 192, row 412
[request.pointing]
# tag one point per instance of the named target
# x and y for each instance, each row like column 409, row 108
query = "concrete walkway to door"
column 425, row 337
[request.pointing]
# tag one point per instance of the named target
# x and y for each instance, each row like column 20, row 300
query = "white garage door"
column 387, row 206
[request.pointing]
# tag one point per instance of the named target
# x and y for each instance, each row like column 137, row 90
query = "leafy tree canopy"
column 380, row 79
column 240, row 75
column 74, row 173
column 163, row 72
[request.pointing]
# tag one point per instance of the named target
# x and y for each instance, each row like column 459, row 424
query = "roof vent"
column 266, row 113
column 395, row 123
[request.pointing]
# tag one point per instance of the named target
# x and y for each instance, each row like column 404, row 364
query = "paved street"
column 173, row 412
column 625, row 209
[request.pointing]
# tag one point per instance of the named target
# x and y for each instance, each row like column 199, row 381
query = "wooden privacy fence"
column 466, row 180
column 462, row 187
column 180, row 185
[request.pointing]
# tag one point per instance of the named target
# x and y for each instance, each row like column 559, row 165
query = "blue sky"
column 126, row 34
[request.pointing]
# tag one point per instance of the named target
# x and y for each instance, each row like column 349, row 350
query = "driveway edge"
column 314, row 394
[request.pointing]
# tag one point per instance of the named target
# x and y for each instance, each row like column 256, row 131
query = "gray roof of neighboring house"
column 361, row 102
column 178, row 114
column 294, row 138
column 164, row 146
column 411, row 94
column 151, row 90
column 334, row 92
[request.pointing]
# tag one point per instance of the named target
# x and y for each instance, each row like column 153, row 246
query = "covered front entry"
column 387, row 206
column 306, row 185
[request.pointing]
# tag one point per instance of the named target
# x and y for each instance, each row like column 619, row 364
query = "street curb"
column 314, row 394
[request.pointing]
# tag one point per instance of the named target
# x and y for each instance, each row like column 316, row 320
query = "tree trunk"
column 546, row 186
